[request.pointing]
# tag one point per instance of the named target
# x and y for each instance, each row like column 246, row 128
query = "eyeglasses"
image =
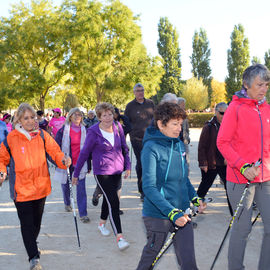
column 139, row 90
column 77, row 115
column 222, row 113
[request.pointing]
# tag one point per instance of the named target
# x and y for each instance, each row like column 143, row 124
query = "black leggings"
column 30, row 216
column 110, row 204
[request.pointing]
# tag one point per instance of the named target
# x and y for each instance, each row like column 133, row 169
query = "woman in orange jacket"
column 24, row 150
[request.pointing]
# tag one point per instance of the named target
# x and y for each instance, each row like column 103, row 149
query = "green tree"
column 33, row 52
column 238, row 60
column 169, row 50
column 255, row 60
column 196, row 94
column 108, row 56
column 71, row 101
column 200, row 59
column 267, row 59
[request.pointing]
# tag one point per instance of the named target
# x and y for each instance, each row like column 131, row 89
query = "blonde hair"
column 21, row 111
column 103, row 107
column 71, row 112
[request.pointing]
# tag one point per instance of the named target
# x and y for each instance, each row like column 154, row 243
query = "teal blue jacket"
column 164, row 175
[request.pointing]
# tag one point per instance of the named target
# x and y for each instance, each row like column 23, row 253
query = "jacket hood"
column 153, row 134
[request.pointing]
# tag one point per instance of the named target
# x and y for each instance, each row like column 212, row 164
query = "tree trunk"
column 42, row 103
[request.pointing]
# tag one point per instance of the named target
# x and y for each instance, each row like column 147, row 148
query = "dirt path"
column 58, row 243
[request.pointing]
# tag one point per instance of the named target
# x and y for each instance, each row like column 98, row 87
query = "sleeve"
column 126, row 124
column 4, row 158
column 59, row 136
column 86, row 151
column 54, row 150
column 203, row 146
column 125, row 149
column 149, row 183
column 226, row 135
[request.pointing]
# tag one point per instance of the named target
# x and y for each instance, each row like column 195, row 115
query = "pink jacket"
column 244, row 137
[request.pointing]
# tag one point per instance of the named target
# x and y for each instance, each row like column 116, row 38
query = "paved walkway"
column 58, row 243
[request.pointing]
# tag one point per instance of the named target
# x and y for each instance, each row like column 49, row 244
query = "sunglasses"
column 222, row 113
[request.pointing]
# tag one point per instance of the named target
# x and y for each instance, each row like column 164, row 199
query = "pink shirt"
column 56, row 124
column 9, row 127
column 75, row 138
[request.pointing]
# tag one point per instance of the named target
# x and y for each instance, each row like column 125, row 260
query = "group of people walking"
column 230, row 144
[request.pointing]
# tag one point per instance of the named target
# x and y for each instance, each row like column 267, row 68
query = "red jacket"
column 244, row 137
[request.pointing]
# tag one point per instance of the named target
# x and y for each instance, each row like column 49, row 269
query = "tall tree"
column 238, row 60
column 218, row 92
column 255, row 60
column 108, row 56
column 200, row 59
column 169, row 50
column 33, row 52
column 267, row 59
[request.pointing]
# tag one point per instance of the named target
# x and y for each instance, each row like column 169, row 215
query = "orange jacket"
column 29, row 177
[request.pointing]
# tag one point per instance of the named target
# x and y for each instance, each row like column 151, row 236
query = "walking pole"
column 130, row 160
column 73, row 206
column 234, row 215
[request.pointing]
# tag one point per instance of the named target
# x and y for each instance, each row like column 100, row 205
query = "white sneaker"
column 104, row 231
column 123, row 244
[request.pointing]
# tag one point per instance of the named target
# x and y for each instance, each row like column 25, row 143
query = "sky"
column 216, row 17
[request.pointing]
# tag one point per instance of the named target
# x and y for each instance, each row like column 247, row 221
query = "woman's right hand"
column 182, row 221
column 252, row 172
column 74, row 181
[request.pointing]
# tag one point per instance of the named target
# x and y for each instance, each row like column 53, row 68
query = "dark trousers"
column 137, row 148
column 110, row 205
column 157, row 230
column 208, row 179
column 30, row 216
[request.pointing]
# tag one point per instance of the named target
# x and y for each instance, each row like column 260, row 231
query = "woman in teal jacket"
column 167, row 189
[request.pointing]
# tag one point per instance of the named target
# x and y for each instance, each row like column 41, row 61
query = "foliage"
column 255, row 60
column 198, row 119
column 108, row 56
column 200, row 59
column 71, row 101
column 267, row 59
column 238, row 60
column 218, row 92
column 169, row 50
column 195, row 93
column 33, row 52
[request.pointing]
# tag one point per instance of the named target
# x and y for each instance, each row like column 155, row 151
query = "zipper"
column 259, row 112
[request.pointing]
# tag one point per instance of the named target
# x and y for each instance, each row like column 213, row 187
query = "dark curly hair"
column 167, row 111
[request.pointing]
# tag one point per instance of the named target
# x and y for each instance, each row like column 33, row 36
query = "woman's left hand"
column 127, row 174
column 66, row 161
column 202, row 206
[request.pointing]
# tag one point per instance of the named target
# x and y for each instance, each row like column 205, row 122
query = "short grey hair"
column 180, row 100
column 138, row 85
column 169, row 97
column 221, row 105
column 253, row 71
column 21, row 111
column 71, row 112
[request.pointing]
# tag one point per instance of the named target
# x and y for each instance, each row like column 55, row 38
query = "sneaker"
column 208, row 200
column 95, row 199
column 121, row 212
column 122, row 244
column 85, row 219
column 104, row 231
column 68, row 208
column 35, row 265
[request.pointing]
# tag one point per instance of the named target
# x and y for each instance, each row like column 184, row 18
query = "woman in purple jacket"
column 105, row 141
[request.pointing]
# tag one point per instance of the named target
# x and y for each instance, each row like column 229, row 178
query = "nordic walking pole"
column 257, row 164
column 73, row 206
column 2, row 174
column 168, row 242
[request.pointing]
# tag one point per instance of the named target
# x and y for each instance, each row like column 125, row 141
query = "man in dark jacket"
column 91, row 119
column 140, row 114
column 211, row 162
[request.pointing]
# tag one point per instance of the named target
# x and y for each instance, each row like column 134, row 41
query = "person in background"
column 6, row 118
column 123, row 120
column 211, row 161
column 42, row 122
column 243, row 138
column 140, row 114
column 184, row 135
column 56, row 122
column 107, row 145
column 91, row 119
column 168, row 191
column 3, row 131
column 24, row 149
column 71, row 138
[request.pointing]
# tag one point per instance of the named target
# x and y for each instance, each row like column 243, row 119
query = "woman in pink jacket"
column 244, row 137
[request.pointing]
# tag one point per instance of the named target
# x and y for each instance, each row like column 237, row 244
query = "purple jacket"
column 106, row 160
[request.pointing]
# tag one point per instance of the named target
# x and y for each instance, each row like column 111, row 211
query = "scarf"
column 244, row 92
column 29, row 135
column 61, row 174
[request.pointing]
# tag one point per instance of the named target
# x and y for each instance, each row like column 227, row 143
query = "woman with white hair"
column 71, row 138
column 91, row 119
